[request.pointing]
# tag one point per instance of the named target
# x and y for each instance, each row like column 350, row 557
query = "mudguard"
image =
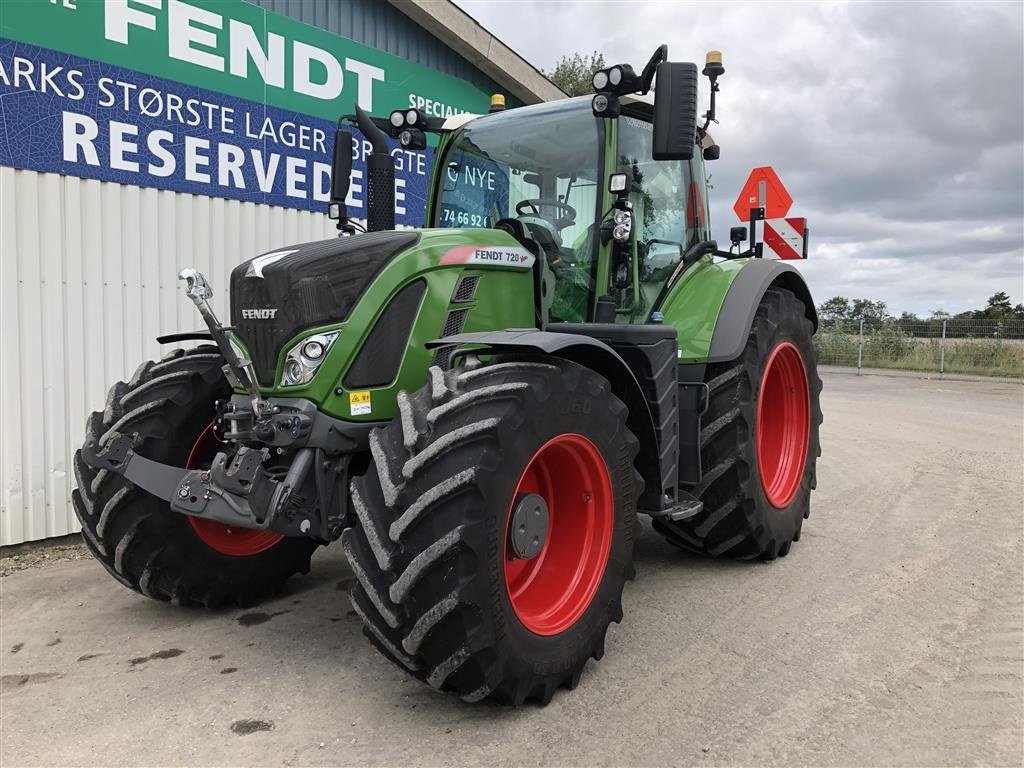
column 742, row 299
column 599, row 356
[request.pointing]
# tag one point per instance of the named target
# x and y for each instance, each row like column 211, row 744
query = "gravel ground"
column 34, row 554
column 891, row 635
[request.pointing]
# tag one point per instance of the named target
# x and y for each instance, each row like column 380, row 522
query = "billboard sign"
column 212, row 98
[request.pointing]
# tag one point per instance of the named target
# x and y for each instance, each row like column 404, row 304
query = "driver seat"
column 543, row 275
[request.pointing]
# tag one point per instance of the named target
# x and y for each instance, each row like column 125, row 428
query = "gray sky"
column 898, row 128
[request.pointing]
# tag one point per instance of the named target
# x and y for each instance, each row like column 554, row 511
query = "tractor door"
column 668, row 198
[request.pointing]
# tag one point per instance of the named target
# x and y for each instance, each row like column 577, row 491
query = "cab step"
column 684, row 507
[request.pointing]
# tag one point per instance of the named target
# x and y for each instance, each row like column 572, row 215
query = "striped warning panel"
column 785, row 238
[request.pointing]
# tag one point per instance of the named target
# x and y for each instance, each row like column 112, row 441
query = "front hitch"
column 236, row 491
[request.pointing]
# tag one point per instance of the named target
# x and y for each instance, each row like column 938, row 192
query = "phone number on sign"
column 462, row 219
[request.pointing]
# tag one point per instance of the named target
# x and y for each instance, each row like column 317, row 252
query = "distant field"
column 888, row 348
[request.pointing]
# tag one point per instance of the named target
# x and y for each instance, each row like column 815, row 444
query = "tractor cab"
column 544, row 173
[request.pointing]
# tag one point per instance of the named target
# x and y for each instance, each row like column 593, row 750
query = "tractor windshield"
column 539, row 166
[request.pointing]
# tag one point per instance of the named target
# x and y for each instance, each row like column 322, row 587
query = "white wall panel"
column 88, row 280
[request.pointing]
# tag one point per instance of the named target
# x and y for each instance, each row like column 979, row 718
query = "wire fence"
column 955, row 346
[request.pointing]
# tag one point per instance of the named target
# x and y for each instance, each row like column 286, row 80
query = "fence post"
column 860, row 346
column 942, row 350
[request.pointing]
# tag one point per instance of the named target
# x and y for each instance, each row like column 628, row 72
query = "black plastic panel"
column 314, row 284
column 650, row 351
column 377, row 363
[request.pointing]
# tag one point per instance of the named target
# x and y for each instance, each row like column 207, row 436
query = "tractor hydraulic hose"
column 380, row 177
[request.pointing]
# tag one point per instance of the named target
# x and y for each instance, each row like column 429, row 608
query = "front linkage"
column 310, row 498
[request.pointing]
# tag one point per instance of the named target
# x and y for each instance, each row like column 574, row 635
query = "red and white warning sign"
column 763, row 188
column 785, row 238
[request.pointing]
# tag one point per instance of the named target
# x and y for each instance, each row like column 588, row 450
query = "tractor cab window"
column 533, row 171
column 668, row 206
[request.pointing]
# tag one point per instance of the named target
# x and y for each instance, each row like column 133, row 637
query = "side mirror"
column 675, row 111
column 341, row 166
column 713, row 152
column 737, row 235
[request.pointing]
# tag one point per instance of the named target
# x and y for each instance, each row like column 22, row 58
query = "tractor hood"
column 276, row 295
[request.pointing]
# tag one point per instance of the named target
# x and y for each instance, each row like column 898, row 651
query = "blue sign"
column 64, row 114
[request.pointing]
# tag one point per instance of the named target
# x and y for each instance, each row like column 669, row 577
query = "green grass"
column 890, row 348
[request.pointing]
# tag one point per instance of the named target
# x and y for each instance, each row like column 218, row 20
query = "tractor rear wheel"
column 759, row 440
column 495, row 528
column 162, row 554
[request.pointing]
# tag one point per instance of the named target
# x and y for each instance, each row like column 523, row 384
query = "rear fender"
column 712, row 304
column 743, row 298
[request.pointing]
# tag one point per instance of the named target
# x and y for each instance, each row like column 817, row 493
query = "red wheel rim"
column 783, row 424
column 552, row 590
column 226, row 539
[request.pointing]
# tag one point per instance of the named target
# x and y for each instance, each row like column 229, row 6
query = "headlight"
column 313, row 349
column 303, row 360
column 615, row 75
column 600, row 80
column 623, row 221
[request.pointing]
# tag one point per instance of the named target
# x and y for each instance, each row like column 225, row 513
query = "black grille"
column 312, row 284
column 453, row 322
column 377, row 362
column 441, row 356
column 465, row 289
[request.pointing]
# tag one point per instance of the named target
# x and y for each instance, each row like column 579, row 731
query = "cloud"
column 898, row 128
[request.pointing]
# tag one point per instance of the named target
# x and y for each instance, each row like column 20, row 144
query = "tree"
column 998, row 307
column 836, row 308
column 940, row 314
column 573, row 73
column 869, row 310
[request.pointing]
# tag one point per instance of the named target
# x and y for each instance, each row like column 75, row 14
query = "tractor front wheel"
column 169, row 407
column 495, row 528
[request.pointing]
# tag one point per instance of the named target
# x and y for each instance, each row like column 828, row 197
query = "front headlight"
column 303, row 359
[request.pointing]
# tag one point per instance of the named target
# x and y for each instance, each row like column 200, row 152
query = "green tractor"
column 481, row 409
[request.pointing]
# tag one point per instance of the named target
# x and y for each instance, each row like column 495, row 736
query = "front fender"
column 598, row 356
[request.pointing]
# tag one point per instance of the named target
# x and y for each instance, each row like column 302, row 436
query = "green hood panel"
column 503, row 299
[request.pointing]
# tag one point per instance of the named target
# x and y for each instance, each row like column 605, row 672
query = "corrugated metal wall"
column 88, row 277
column 88, row 280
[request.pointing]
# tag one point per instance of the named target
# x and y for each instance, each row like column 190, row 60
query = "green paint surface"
column 504, row 299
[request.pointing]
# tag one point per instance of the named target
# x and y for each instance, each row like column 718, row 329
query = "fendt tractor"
column 480, row 409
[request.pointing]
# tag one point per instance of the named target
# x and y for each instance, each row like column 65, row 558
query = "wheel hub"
column 783, row 424
column 528, row 529
column 558, row 534
column 236, row 542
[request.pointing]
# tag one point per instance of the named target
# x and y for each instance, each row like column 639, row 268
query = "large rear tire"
column 759, row 440
column 440, row 584
column 134, row 535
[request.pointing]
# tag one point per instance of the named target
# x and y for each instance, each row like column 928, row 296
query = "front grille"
column 276, row 296
column 465, row 289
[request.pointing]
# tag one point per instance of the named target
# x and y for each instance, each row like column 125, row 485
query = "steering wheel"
column 566, row 220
